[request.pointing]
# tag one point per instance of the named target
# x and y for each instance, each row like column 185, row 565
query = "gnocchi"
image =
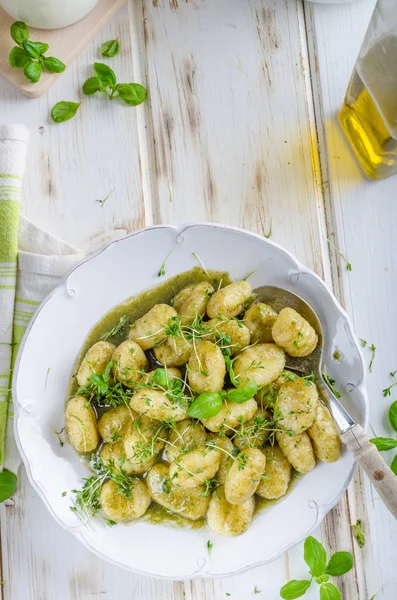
column 194, row 410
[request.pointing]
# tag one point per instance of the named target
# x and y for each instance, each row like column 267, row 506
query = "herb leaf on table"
column 110, row 48
column 63, row 111
column 359, row 533
column 8, row 484
column 105, row 81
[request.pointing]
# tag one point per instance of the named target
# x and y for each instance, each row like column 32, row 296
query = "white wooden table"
column 240, row 128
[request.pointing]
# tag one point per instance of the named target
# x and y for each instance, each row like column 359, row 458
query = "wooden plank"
column 66, row 44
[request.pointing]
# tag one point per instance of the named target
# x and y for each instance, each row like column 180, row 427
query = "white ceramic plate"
column 122, row 269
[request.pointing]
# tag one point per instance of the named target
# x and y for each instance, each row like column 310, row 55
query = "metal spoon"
column 351, row 433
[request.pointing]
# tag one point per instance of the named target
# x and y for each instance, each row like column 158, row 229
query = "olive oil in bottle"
column 369, row 112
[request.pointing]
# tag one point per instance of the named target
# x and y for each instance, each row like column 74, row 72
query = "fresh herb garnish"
column 257, row 590
column 8, row 485
column 110, row 48
column 101, row 390
column 348, row 264
column 373, row 350
column 64, row 494
column 320, row 570
column 359, row 533
column 210, row 545
column 64, row 110
column 330, row 383
column 117, row 329
column 58, row 434
column 270, row 232
column 209, row 404
column 363, row 342
column 105, row 81
column 387, row 391
column 29, row 55
column 102, row 202
column 202, row 265
column 161, row 271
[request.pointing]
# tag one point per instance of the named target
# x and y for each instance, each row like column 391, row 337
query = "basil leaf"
column 105, row 75
column 383, row 443
column 110, row 48
column 8, row 484
column 18, row 57
column 160, row 377
column 393, row 465
column 339, row 564
column 63, row 111
column 33, row 70
column 53, row 65
column 244, row 393
column 393, row 415
column 359, row 533
column 206, row 405
column 229, row 366
column 91, row 86
column 19, row 32
column 329, row 592
column 132, row 93
column 35, row 49
column 315, row 556
column 294, row 589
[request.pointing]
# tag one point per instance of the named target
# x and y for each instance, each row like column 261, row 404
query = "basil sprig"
column 29, row 56
column 320, row 570
column 209, row 404
column 105, row 81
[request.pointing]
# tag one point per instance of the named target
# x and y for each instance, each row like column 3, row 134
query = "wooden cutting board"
column 66, row 44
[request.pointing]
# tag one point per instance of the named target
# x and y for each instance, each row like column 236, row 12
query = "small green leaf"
column 105, row 75
column 35, row 49
column 8, row 484
column 110, row 48
column 329, row 592
column 91, row 86
column 339, row 564
column 294, row 589
column 243, row 393
column 359, row 533
column 33, row 70
column 53, row 65
column 161, row 378
column 19, row 32
column 315, row 556
column 393, row 415
column 64, row 494
column 63, row 111
column 132, row 93
column 205, row 406
column 383, row 443
column 210, row 545
column 18, row 57
column 393, row 465
column 322, row 579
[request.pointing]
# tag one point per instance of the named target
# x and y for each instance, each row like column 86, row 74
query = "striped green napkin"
column 13, row 146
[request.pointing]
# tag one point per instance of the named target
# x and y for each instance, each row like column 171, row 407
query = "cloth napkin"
column 43, row 260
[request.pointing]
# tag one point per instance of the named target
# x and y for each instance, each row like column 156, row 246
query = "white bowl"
column 123, row 269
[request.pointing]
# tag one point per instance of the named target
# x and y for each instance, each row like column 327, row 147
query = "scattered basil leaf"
column 91, row 86
column 19, row 32
column 206, row 405
column 294, row 589
column 393, row 465
column 110, row 48
column 35, row 49
column 359, row 533
column 339, row 564
column 53, row 65
column 33, row 70
column 329, row 592
column 315, row 556
column 161, row 378
column 63, row 111
column 210, row 545
column 244, row 393
column 393, row 415
column 105, row 75
column 8, row 484
column 18, row 57
column 132, row 93
column 384, row 443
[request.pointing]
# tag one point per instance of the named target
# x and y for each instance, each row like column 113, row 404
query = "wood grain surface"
column 240, row 127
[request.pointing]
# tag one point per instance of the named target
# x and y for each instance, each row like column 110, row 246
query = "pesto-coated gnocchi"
column 206, row 372
column 81, row 425
column 150, row 330
column 129, row 360
column 293, row 333
column 244, row 475
column 261, row 364
column 95, row 361
column 274, row 484
column 230, row 300
column 195, row 467
column 298, row 450
column 260, row 319
column 122, row 507
column 296, row 405
column 231, row 328
column 191, row 411
column 192, row 301
column 325, row 439
column 229, row 519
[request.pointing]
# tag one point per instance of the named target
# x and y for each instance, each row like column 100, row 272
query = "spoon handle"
column 372, row 462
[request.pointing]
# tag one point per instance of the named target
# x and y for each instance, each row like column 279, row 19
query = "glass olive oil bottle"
column 369, row 112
